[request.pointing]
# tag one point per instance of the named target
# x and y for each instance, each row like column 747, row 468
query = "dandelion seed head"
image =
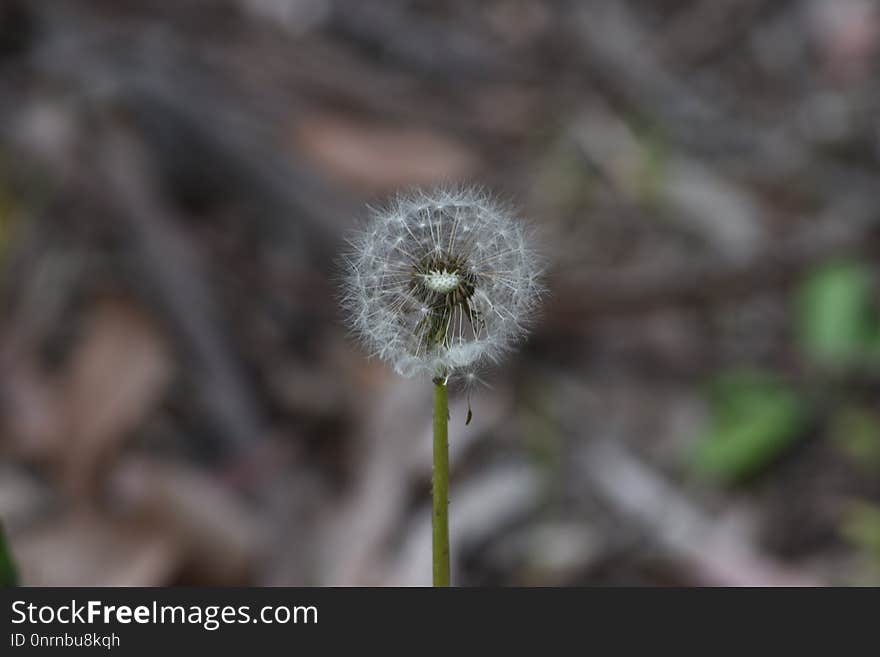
column 440, row 282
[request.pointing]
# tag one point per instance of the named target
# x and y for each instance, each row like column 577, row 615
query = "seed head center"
column 442, row 281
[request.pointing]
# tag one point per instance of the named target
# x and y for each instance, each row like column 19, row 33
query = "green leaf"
column 8, row 572
column 754, row 418
column 835, row 322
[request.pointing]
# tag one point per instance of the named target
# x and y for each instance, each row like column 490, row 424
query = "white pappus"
column 440, row 282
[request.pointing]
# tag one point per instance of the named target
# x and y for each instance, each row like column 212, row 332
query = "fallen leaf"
column 379, row 158
column 218, row 533
column 116, row 376
column 82, row 549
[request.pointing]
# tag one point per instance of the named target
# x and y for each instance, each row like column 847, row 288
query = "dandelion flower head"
column 440, row 282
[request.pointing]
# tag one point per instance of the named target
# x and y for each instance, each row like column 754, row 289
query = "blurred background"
column 180, row 402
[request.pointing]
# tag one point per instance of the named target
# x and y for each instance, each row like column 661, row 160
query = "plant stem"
column 8, row 573
column 440, row 522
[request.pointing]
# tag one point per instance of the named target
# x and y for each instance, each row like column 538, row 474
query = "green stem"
column 8, row 573
column 440, row 522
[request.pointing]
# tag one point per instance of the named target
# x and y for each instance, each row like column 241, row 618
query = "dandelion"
column 438, row 284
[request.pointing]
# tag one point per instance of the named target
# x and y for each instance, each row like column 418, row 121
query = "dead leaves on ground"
column 117, row 519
